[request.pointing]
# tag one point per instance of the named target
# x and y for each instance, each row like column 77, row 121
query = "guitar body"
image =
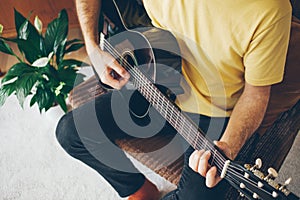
column 157, row 55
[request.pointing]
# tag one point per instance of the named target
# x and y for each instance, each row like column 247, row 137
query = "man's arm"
column 88, row 12
column 88, row 15
column 245, row 119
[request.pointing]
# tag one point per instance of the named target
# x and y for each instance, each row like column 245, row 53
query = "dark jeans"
column 89, row 132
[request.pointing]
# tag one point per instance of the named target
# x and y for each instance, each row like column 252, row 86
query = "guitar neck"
column 178, row 120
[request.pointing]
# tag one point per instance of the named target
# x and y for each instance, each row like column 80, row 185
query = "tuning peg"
column 272, row 174
column 274, row 194
column 255, row 196
column 260, row 184
column 286, row 183
column 258, row 164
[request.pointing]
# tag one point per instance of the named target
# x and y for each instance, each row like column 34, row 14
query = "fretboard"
column 177, row 119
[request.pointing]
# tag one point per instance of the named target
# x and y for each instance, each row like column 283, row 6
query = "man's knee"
column 65, row 132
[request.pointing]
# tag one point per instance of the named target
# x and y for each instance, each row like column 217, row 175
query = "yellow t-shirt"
column 223, row 44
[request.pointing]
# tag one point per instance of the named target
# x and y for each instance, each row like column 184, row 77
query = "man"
column 233, row 51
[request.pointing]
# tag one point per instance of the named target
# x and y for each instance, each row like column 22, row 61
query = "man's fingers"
column 107, row 78
column 119, row 70
column 203, row 164
column 105, row 64
column 194, row 159
column 211, row 177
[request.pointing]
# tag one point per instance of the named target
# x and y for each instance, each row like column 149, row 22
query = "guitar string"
column 219, row 159
column 128, row 66
column 201, row 145
column 230, row 169
column 250, row 182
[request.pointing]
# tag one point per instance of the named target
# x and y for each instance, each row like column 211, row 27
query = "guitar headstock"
column 254, row 184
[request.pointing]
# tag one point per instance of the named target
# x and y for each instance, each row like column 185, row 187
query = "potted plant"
column 42, row 72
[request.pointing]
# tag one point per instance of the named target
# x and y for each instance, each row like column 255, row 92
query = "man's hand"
column 105, row 66
column 88, row 12
column 199, row 163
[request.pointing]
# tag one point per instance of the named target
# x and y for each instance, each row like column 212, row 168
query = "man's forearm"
column 88, row 15
column 246, row 117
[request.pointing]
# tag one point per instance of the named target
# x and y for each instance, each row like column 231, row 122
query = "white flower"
column 1, row 29
column 38, row 24
column 42, row 62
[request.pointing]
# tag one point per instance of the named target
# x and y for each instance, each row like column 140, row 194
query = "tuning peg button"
column 272, row 174
column 260, row 184
column 274, row 194
column 258, row 163
column 288, row 181
column 242, row 195
column 242, row 185
column 255, row 196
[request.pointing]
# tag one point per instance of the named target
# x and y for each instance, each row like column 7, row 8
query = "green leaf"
column 5, row 48
column 61, row 100
column 5, row 91
column 23, row 32
column 33, row 100
column 69, row 42
column 74, row 47
column 31, row 52
column 67, row 75
column 24, row 85
column 27, row 32
column 17, row 70
column 3, row 96
column 57, row 32
column 15, row 40
column 71, row 63
column 21, row 96
column 27, row 81
column 60, row 52
column 44, row 97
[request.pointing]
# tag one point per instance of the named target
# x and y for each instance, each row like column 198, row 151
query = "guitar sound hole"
column 138, row 105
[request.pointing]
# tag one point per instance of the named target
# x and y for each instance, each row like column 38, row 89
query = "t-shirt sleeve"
column 265, row 58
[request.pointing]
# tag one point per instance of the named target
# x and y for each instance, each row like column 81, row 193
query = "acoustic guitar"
column 152, row 57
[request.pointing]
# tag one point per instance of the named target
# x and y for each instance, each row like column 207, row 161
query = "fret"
column 175, row 123
column 213, row 156
column 172, row 115
column 205, row 145
column 169, row 116
column 170, row 112
column 196, row 141
column 164, row 113
column 160, row 106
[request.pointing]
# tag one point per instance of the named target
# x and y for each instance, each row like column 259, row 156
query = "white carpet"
column 33, row 166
